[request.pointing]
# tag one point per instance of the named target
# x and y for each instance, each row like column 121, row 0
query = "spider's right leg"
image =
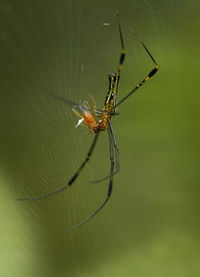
column 123, row 53
column 71, row 181
column 150, row 75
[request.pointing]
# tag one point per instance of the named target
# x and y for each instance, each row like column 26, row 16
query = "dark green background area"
column 151, row 225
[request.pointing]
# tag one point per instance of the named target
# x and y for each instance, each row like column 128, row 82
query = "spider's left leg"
column 71, row 181
column 109, row 192
column 113, row 141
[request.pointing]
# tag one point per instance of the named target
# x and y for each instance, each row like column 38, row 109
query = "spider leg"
column 89, row 154
column 45, row 195
column 71, row 181
column 109, row 192
column 151, row 73
column 123, row 53
column 112, row 140
column 115, row 145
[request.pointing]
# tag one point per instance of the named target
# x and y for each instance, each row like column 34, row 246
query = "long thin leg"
column 71, row 181
column 112, row 139
column 89, row 154
column 123, row 53
column 115, row 145
column 152, row 72
column 109, row 192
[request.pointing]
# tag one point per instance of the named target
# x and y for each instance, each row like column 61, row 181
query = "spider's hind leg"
column 109, row 191
column 112, row 144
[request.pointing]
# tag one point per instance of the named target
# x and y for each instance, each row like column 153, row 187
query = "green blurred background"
column 151, row 225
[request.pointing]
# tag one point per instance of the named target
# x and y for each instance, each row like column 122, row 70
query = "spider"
column 100, row 120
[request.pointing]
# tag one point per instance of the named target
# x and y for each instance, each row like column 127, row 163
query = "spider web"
column 68, row 50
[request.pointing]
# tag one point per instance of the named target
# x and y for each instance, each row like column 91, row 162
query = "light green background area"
column 150, row 227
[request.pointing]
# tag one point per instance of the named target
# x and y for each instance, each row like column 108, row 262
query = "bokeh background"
column 151, row 225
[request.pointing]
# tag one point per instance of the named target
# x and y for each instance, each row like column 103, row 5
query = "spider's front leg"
column 151, row 74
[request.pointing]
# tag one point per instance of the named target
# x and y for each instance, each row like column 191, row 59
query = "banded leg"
column 89, row 154
column 151, row 74
column 112, row 140
column 71, row 181
column 109, row 192
column 123, row 53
